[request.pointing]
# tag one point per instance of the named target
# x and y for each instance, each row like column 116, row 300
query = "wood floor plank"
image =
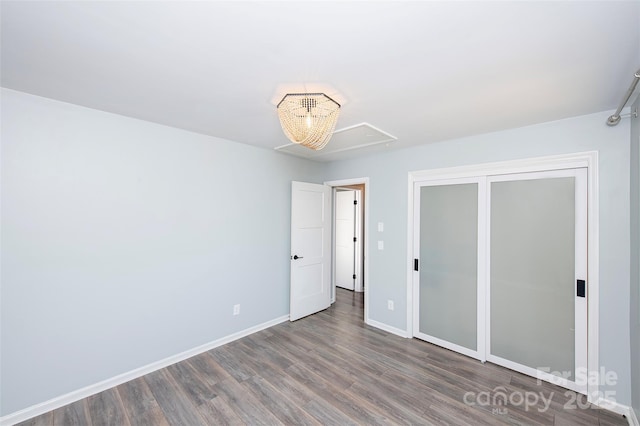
column 609, row 418
column 352, row 366
column 440, row 394
column 106, row 409
column 287, row 347
column 313, row 362
column 225, row 356
column 565, row 419
column 251, row 359
column 208, row 368
column 291, row 388
column 74, row 414
column 327, row 414
column 250, row 410
column 176, row 406
column 140, row 407
column 281, row 406
column 458, row 411
column 301, row 395
column 218, row 412
column 463, row 367
column 192, row 383
column 395, row 410
column 403, row 394
column 262, row 349
column 288, row 334
column 358, row 410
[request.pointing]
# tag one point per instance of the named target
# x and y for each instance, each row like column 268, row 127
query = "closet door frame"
column 587, row 160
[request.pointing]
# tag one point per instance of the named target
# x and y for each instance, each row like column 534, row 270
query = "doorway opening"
column 349, row 239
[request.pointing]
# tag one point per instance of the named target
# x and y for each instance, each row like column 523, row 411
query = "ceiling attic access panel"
column 349, row 138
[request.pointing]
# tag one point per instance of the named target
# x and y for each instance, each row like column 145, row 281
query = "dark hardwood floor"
column 330, row 368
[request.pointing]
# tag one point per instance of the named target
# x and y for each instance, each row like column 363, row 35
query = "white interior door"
column 310, row 290
column 345, row 256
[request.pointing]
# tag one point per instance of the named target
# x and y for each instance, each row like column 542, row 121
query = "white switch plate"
column 390, row 305
column 380, row 245
column 236, row 309
column 380, row 227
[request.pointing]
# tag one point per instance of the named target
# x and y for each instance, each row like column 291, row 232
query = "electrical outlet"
column 236, row 309
column 390, row 305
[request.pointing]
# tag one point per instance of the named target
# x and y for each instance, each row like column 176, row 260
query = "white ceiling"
column 421, row 71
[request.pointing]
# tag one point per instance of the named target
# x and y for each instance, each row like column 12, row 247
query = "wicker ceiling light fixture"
column 308, row 119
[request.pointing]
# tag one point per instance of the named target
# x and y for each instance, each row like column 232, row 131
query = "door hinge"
column 355, row 202
column 355, row 239
column 354, row 276
column 415, row 264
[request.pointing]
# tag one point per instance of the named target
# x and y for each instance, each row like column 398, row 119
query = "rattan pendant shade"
column 308, row 119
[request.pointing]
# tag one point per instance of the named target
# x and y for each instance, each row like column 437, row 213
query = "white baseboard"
column 617, row 408
column 632, row 418
column 387, row 328
column 62, row 400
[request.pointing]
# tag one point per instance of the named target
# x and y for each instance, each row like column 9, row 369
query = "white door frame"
column 359, row 284
column 568, row 161
column 365, row 232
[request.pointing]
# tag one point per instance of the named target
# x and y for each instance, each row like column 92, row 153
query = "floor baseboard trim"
column 618, row 408
column 387, row 328
column 632, row 418
column 61, row 401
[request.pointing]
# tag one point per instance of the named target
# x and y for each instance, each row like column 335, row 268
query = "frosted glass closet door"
column 535, row 258
column 448, row 248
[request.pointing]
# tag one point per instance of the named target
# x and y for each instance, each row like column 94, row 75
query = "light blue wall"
column 635, row 260
column 388, row 203
column 125, row 242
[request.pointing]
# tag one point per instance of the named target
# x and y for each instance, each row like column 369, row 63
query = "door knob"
column 296, row 257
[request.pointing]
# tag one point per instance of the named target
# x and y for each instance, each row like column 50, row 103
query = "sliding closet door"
column 501, row 271
column 446, row 295
column 537, row 321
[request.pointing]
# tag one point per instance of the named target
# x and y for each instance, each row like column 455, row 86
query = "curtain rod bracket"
column 615, row 118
